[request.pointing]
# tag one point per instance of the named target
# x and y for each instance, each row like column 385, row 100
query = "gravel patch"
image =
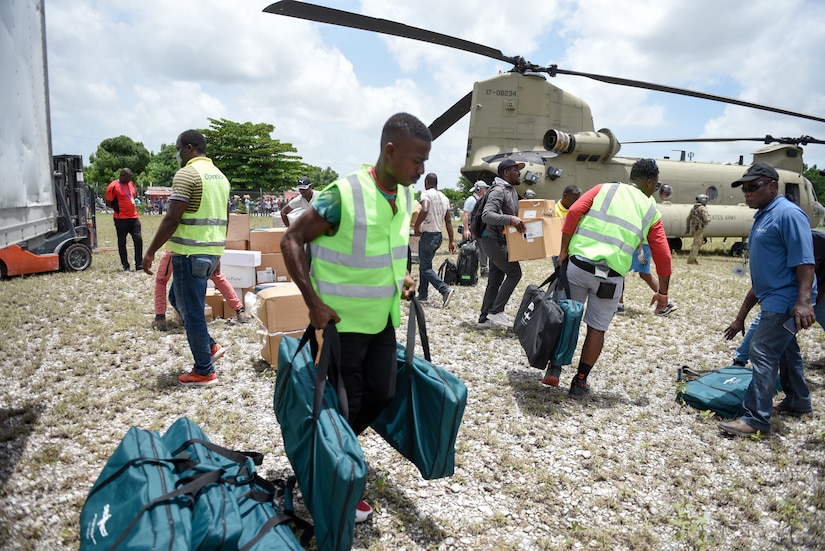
column 628, row 468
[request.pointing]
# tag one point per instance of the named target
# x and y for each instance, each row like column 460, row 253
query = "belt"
column 590, row 267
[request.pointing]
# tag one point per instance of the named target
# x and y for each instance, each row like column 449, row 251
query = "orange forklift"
column 69, row 248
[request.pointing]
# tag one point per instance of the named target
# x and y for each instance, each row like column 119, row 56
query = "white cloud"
column 150, row 69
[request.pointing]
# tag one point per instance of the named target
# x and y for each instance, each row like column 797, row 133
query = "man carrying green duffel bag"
column 357, row 233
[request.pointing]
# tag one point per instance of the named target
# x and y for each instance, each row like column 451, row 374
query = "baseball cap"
column 480, row 184
column 507, row 163
column 756, row 171
column 304, row 183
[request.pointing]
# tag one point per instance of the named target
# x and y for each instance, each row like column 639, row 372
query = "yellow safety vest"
column 618, row 220
column 359, row 272
column 204, row 231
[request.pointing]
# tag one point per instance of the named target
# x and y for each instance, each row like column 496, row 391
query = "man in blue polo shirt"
column 782, row 282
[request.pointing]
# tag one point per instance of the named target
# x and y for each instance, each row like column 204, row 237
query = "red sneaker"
column 194, row 378
column 217, row 351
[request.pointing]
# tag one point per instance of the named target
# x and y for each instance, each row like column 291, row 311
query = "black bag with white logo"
column 539, row 322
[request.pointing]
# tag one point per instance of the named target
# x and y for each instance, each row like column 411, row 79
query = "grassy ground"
column 627, row 469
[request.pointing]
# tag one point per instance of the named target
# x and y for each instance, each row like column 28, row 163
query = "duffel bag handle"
column 329, row 366
column 417, row 316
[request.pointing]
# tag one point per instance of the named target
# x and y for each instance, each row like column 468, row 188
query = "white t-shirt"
column 439, row 205
column 299, row 205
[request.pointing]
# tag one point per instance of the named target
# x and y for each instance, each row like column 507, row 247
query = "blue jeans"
column 188, row 297
column 427, row 245
column 773, row 349
column 742, row 352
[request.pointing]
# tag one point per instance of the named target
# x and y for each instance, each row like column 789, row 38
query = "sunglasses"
column 750, row 187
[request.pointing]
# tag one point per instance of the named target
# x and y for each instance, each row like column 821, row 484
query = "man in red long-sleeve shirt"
column 599, row 238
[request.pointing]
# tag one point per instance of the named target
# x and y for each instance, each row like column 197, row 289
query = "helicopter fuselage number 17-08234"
column 502, row 93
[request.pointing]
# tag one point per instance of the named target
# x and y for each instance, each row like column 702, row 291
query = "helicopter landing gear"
column 675, row 243
column 738, row 249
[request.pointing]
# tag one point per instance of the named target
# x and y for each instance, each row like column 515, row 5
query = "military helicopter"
column 521, row 115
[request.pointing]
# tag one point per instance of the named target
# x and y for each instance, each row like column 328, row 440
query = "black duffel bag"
column 539, row 322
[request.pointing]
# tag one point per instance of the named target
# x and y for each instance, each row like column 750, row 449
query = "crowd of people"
column 347, row 250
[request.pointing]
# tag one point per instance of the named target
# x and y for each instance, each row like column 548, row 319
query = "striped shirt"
column 187, row 187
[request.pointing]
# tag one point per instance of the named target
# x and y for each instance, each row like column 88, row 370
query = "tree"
column 817, row 179
column 114, row 154
column 161, row 168
column 321, row 177
column 250, row 158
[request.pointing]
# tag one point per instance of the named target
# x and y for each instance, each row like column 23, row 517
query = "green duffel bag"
column 322, row 448
column 422, row 421
column 720, row 390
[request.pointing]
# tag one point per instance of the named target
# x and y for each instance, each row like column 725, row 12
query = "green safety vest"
column 204, row 231
column 618, row 220
column 359, row 272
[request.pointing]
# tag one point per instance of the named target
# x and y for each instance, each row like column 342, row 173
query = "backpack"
column 448, row 272
column 467, row 265
column 477, row 227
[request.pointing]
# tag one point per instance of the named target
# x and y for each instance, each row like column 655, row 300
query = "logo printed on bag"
column 732, row 381
column 102, row 522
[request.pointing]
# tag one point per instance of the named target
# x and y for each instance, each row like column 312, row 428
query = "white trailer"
column 27, row 195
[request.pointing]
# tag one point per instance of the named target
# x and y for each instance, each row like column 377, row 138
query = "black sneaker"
column 579, row 389
column 551, row 376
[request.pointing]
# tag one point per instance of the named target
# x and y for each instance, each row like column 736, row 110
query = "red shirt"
column 123, row 195
column 656, row 238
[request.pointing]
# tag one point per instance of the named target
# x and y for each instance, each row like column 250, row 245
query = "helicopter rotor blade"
column 681, row 92
column 321, row 14
column 802, row 140
column 451, row 115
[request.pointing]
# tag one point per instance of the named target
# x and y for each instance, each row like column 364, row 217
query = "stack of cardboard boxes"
column 542, row 237
column 253, row 263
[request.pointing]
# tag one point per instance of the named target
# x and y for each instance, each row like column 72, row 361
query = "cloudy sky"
column 152, row 68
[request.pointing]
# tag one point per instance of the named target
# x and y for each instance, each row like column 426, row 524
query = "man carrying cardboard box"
column 301, row 202
column 500, row 210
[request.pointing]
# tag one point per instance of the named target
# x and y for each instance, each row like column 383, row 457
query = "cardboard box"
column 536, row 208
column 238, row 228
column 282, row 311
column 541, row 239
column 207, row 312
column 239, row 276
column 281, row 308
column 270, row 343
column 234, row 257
column 266, row 240
column 215, row 301
column 239, row 245
column 278, row 265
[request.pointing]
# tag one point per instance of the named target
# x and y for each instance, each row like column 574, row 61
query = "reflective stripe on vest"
column 359, row 272
column 612, row 229
column 204, row 231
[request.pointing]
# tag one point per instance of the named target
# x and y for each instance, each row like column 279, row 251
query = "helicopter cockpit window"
column 792, row 192
column 665, row 192
column 712, row 193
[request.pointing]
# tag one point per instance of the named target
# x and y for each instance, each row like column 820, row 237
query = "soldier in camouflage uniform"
column 697, row 220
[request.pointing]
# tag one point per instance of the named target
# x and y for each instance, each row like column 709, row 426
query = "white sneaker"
column 500, row 319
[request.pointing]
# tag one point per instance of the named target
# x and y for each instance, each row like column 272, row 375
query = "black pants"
column 503, row 276
column 124, row 227
column 369, row 370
